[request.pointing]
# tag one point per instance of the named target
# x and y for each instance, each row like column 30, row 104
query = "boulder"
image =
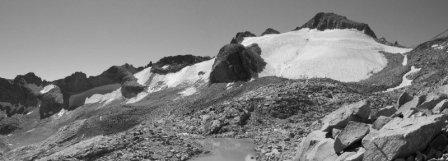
column 431, row 101
column 270, row 31
column 324, row 21
column 236, row 63
column 239, row 37
column 51, row 102
column 404, row 98
column 358, row 111
column 380, row 122
column 402, row 137
column 335, row 132
column 352, row 156
column 352, row 133
column 409, row 108
column 308, row 143
column 319, row 151
column 387, row 111
column 442, row 105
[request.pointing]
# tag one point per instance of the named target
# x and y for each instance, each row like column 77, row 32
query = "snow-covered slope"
column 346, row 55
column 196, row 74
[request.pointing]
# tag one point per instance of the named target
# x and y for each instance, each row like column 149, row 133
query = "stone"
column 439, row 143
column 358, row 156
column 358, row 111
column 352, row 133
column 51, row 102
column 345, row 155
column 404, row 98
column 308, row 143
column 431, row 101
column 387, row 111
column 442, row 105
column 402, row 137
column 320, row 151
column 335, row 132
column 380, row 122
column 409, row 108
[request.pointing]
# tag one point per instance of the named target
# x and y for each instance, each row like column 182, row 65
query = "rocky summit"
column 327, row 91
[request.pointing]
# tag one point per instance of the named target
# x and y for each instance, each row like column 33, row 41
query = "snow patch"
column 405, row 60
column 47, row 88
column 60, row 114
column 197, row 73
column 189, row 91
column 438, row 46
column 165, row 66
column 143, row 76
column 104, row 98
column 30, row 130
column 342, row 54
column 405, row 81
column 229, row 85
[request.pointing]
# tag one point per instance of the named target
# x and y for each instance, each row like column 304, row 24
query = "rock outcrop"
column 359, row 111
column 323, row 21
column 237, row 63
column 51, row 102
column 172, row 64
column 269, row 31
column 239, row 37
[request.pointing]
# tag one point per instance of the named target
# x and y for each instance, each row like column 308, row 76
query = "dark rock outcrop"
column 237, row 63
column 383, row 40
column 79, row 82
column 16, row 97
column 239, row 37
column 270, row 31
column 323, row 21
column 131, row 88
column 172, row 64
column 51, row 102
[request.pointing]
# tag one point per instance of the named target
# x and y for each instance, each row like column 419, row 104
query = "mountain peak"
column 327, row 20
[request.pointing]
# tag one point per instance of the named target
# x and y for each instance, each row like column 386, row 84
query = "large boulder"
column 236, row 63
column 352, row 133
column 315, row 147
column 440, row 106
column 51, row 102
column 409, row 108
column 239, row 37
column 358, row 111
column 404, row 98
column 402, row 137
column 323, row 21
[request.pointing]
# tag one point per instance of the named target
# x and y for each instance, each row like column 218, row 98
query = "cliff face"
column 323, row 21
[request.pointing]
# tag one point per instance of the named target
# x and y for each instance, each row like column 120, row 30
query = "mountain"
column 324, row 21
column 329, row 90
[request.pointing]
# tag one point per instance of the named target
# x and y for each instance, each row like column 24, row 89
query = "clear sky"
column 55, row 38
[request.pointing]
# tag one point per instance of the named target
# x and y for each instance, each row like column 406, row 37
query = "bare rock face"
column 359, row 111
column 323, row 21
column 172, row 64
column 52, row 102
column 270, row 31
column 352, row 133
column 131, row 88
column 239, row 37
column 442, row 105
column 236, row 63
column 402, row 137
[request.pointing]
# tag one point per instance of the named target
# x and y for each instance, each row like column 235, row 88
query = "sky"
column 54, row 38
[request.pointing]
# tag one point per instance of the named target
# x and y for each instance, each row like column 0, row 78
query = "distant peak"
column 327, row 20
column 270, row 31
column 239, row 37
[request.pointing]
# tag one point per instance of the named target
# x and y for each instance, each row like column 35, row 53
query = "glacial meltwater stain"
column 228, row 149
